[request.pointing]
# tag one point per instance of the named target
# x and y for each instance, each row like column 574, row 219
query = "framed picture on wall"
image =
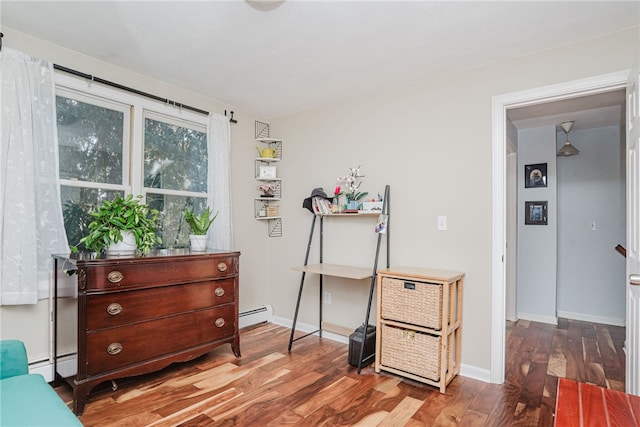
column 267, row 172
column 535, row 175
column 535, row 213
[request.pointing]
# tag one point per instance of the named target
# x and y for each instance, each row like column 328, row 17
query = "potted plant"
column 199, row 225
column 122, row 226
column 352, row 183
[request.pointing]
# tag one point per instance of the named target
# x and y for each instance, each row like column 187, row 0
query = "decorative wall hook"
column 231, row 119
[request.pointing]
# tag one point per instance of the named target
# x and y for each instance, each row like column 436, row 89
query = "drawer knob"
column 115, row 277
column 219, row 292
column 220, row 322
column 222, row 267
column 114, row 309
column 114, row 348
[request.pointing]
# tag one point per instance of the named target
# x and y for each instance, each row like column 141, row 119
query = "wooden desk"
column 580, row 404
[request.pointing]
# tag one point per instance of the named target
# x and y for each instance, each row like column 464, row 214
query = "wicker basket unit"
column 416, row 303
column 411, row 351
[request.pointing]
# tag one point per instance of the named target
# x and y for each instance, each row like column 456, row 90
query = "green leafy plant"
column 122, row 215
column 199, row 224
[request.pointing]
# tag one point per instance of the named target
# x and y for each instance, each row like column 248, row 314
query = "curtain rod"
column 129, row 89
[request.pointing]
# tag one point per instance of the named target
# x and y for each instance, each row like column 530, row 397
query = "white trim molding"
column 499, row 106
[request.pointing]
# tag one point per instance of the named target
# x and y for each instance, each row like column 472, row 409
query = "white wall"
column 591, row 189
column 431, row 141
column 537, row 251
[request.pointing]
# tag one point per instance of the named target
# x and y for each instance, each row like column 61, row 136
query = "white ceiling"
column 306, row 54
column 587, row 112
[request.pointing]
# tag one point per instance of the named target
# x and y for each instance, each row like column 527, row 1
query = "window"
column 175, row 174
column 113, row 143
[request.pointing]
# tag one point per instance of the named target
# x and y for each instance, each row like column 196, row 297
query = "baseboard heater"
column 257, row 315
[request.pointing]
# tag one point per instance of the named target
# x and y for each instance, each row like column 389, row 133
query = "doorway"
column 500, row 105
column 568, row 267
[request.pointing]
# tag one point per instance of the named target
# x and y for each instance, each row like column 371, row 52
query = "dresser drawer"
column 120, row 308
column 132, row 274
column 118, row 347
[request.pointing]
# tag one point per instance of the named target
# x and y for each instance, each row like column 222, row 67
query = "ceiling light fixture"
column 265, row 5
column 567, row 149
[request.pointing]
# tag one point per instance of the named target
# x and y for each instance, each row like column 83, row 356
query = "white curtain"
column 219, row 179
column 31, row 224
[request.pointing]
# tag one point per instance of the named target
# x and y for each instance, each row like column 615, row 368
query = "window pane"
column 173, row 230
column 77, row 202
column 175, row 157
column 90, row 141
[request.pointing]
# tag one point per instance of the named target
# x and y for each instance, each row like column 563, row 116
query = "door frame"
column 499, row 106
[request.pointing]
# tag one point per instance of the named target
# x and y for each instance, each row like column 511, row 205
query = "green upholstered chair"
column 26, row 399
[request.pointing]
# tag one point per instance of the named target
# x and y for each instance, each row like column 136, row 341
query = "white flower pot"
column 126, row 246
column 198, row 242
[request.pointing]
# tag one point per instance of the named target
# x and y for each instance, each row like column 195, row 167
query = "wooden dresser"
column 138, row 315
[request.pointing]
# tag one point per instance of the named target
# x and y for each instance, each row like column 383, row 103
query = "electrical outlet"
column 327, row 297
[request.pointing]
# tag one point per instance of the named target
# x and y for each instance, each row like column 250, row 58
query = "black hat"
column 317, row 192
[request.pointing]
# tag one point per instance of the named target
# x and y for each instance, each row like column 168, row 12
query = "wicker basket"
column 416, row 303
column 411, row 351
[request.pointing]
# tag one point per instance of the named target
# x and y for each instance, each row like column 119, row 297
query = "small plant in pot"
column 199, row 225
column 122, row 226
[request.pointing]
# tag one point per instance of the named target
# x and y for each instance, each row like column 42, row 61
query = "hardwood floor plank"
column 374, row 419
column 485, row 399
column 558, row 358
column 314, row 386
column 504, row 407
column 547, row 411
column 473, row 419
column 326, row 395
column 285, row 418
column 525, row 415
column 591, row 350
column 533, row 385
column 193, row 410
column 402, row 413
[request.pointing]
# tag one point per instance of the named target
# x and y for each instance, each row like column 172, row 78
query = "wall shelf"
column 266, row 171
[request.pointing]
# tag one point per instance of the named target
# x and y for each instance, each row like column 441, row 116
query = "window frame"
column 137, row 108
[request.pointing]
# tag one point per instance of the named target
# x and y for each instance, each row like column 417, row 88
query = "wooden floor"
column 313, row 385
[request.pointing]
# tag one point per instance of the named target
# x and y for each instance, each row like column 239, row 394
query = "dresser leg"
column 235, row 346
column 80, row 394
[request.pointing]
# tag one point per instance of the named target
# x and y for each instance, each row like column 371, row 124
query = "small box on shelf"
column 273, row 210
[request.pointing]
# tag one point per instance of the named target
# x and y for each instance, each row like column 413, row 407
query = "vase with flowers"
column 352, row 191
column 267, row 189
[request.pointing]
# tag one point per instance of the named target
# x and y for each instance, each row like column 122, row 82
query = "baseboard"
column 590, row 318
column 306, row 328
column 473, row 372
column 44, row 368
column 468, row 371
column 67, row 366
column 253, row 317
column 538, row 318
